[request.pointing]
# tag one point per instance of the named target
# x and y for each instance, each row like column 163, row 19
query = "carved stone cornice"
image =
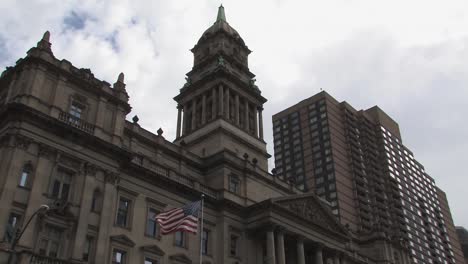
column 5, row 140
column 123, row 239
column 112, row 177
column 70, row 162
column 90, row 169
column 21, row 142
column 47, row 152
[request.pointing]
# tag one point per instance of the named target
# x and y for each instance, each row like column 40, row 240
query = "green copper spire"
column 221, row 15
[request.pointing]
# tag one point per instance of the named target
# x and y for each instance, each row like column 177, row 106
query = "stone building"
column 65, row 143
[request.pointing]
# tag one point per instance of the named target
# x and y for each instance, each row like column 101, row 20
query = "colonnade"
column 275, row 251
column 220, row 102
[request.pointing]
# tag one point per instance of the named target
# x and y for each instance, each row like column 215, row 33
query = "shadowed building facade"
column 65, row 142
column 355, row 159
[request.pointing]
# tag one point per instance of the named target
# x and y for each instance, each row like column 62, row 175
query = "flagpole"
column 201, row 229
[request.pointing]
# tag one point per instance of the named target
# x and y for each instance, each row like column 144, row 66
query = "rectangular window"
column 49, row 244
column 151, row 223
column 123, row 211
column 234, row 184
column 205, row 241
column 25, row 176
column 61, row 185
column 76, row 110
column 179, row 239
column 12, row 226
column 233, row 245
column 87, row 249
column 119, row 256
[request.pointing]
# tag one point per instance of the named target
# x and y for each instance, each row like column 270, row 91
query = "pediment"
column 153, row 249
column 310, row 208
column 180, row 258
column 123, row 239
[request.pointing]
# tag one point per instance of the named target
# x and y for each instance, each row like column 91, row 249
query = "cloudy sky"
column 408, row 57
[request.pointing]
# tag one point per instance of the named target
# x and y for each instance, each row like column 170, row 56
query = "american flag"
column 180, row 219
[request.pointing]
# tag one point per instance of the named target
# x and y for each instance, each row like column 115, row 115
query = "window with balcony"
column 61, row 184
column 50, row 242
column 76, row 110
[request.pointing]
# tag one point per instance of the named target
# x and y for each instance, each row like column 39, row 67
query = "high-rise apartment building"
column 356, row 160
column 462, row 234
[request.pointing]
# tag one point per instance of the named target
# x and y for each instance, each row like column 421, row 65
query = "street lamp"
column 42, row 209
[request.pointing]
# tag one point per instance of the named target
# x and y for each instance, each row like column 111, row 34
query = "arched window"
column 25, row 177
column 96, row 201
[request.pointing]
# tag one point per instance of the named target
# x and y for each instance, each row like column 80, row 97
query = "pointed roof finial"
column 221, row 15
column 46, row 36
column 121, row 77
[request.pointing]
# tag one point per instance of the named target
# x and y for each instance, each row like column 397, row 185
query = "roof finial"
column 221, row 15
column 121, row 77
column 46, row 36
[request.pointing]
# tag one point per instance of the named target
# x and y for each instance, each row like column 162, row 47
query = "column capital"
column 300, row 238
column 260, row 108
column 280, row 229
column 179, row 106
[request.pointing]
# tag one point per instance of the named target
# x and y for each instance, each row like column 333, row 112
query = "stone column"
column 280, row 247
column 44, row 167
column 203, row 113
column 228, row 110
column 213, row 104
column 194, row 113
column 318, row 255
column 237, row 113
column 85, row 208
column 184, row 120
column 179, row 120
column 260, row 122
column 344, row 260
column 246, row 115
column 336, row 258
column 300, row 251
column 271, row 259
column 107, row 217
column 221, row 100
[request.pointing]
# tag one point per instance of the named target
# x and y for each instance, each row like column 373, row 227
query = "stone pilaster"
column 203, row 113
column 179, row 117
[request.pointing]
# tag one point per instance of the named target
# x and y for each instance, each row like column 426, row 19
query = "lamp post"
column 13, row 258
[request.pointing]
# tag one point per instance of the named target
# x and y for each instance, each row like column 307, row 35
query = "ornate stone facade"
column 65, row 143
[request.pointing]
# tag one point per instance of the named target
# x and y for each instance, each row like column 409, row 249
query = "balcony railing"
column 37, row 259
column 76, row 122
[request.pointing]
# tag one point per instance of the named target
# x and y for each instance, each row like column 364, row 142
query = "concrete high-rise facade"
column 355, row 159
